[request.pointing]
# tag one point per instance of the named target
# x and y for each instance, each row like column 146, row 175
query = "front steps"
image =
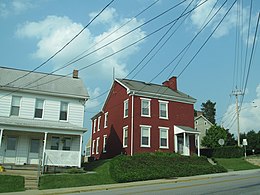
column 29, row 172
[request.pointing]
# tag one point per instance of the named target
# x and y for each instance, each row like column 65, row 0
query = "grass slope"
column 102, row 176
column 235, row 164
column 10, row 183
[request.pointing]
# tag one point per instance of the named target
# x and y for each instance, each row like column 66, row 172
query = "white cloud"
column 92, row 103
column 14, row 7
column 106, row 17
column 249, row 115
column 201, row 14
column 54, row 32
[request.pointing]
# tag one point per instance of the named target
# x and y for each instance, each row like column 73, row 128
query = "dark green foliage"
column 213, row 135
column 149, row 166
column 75, row 171
column 209, row 111
column 253, row 139
column 10, row 183
column 223, row 152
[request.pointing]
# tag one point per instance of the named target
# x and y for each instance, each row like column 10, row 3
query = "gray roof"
column 42, row 83
column 42, row 124
column 188, row 129
column 155, row 91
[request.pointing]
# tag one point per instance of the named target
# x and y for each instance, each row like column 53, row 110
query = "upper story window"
column 64, row 111
column 55, row 142
column 98, row 123
column 94, row 125
column 145, row 135
column 205, row 123
column 125, row 136
column 105, row 121
column 38, row 108
column 126, row 108
column 164, row 138
column 15, row 108
column 66, row 143
column 196, row 122
column 163, row 109
column 145, row 107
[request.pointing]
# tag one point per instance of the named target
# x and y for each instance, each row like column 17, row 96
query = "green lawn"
column 9, row 183
column 235, row 164
column 102, row 176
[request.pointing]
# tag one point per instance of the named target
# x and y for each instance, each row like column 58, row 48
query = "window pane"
column 144, row 140
column 64, row 106
column 35, row 145
column 55, row 143
column 15, row 110
column 11, row 143
column 38, row 113
column 39, row 104
column 63, row 115
column 163, row 142
column 163, row 110
column 16, row 101
column 145, row 107
column 66, row 143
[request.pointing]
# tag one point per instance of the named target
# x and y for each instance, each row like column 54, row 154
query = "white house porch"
column 182, row 139
column 40, row 142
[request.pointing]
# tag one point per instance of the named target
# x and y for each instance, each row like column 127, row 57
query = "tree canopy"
column 209, row 111
column 213, row 135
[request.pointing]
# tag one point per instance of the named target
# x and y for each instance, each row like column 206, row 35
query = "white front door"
column 186, row 148
column 34, row 151
column 10, row 150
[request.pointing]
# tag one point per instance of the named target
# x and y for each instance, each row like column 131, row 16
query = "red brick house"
column 144, row 117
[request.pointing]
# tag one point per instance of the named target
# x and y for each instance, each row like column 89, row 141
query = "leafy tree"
column 253, row 139
column 213, row 135
column 231, row 141
column 209, row 111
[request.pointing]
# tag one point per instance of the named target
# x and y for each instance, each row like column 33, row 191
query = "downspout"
column 132, row 126
column 80, row 150
column 1, row 135
column 43, row 151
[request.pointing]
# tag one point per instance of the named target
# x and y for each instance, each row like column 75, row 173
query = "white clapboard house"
column 41, row 118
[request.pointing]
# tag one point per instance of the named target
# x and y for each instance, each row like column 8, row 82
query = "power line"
column 62, row 47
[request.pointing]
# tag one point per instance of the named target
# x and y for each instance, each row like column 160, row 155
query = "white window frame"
column 97, row 145
column 67, row 111
column 43, row 103
column 93, row 146
column 167, row 137
column 149, row 136
column 126, row 108
column 12, row 105
column 94, row 125
column 149, row 107
column 125, row 135
column 105, row 120
column 167, row 109
column 104, row 143
column 98, row 123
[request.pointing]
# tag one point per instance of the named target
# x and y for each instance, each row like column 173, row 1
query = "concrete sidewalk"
column 125, row 185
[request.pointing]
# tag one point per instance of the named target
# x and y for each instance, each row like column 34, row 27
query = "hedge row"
column 223, row 152
column 149, row 166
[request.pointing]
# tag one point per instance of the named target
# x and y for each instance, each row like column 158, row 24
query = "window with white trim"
column 164, row 137
column 105, row 120
column 98, row 123
column 66, row 143
column 15, row 108
column 93, row 147
column 38, row 113
column 94, row 125
column 64, row 111
column 104, row 143
column 125, row 136
column 145, row 107
column 145, row 135
column 55, row 143
column 97, row 145
column 126, row 108
column 163, row 109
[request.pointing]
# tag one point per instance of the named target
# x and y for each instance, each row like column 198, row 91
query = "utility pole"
column 237, row 93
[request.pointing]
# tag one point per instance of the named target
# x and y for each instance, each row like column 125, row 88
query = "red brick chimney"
column 171, row 83
column 75, row 74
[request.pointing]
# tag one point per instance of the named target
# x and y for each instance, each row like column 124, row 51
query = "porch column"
column 80, row 150
column 184, row 143
column 175, row 143
column 198, row 142
column 1, row 135
column 44, row 148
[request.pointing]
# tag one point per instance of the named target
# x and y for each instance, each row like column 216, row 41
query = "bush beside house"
column 223, row 152
column 11, row 183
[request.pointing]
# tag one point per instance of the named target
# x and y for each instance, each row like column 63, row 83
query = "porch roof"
column 39, row 124
column 185, row 129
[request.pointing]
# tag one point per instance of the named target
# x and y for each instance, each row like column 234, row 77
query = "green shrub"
column 149, row 166
column 75, row 171
column 228, row 152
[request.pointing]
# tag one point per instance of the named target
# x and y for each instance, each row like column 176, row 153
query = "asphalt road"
column 235, row 183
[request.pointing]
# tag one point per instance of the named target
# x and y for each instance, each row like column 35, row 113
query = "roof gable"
column 203, row 117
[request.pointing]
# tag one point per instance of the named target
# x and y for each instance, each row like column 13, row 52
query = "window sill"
column 147, row 116
column 163, row 147
column 145, row 146
column 164, row 118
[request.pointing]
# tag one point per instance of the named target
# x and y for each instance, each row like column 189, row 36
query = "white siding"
column 51, row 110
column 76, row 114
column 5, row 104
column 27, row 107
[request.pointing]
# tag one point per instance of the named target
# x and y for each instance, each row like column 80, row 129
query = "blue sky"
column 32, row 31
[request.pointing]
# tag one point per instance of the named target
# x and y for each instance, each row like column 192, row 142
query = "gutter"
column 132, row 126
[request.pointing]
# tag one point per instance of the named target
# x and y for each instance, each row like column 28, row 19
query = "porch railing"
column 61, row 158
